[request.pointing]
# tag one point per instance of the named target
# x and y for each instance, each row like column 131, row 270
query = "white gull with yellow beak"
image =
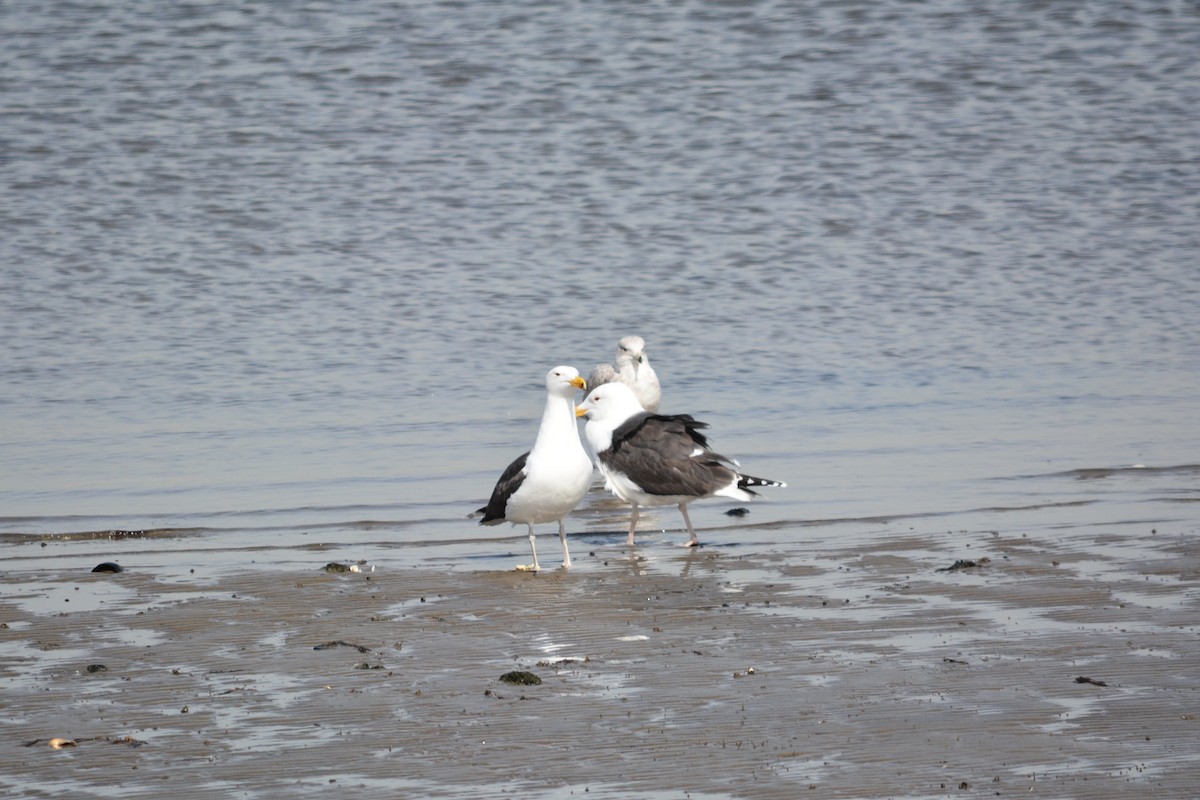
column 545, row 484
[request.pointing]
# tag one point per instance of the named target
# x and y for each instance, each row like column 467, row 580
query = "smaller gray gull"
column 545, row 484
column 633, row 369
column 658, row 459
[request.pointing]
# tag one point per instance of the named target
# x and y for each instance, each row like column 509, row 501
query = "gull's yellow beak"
column 579, row 383
column 581, row 412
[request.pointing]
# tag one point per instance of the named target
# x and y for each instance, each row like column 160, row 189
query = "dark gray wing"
column 655, row 452
column 510, row 480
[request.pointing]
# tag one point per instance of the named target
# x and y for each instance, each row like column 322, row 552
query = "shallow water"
column 273, row 268
column 279, row 284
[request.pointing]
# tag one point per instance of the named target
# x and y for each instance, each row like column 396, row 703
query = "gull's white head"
column 610, row 403
column 631, row 350
column 564, row 381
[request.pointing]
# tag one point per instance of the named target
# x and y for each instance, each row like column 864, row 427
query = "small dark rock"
column 366, row 665
column 108, row 566
column 333, row 566
column 521, row 678
column 97, row 668
column 737, row 512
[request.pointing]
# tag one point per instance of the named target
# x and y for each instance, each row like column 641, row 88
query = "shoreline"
column 870, row 668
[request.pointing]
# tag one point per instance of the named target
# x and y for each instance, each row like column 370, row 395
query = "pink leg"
column 633, row 518
column 533, row 549
column 694, row 541
column 562, row 536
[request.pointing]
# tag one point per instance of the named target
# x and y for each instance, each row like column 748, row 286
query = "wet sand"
column 851, row 664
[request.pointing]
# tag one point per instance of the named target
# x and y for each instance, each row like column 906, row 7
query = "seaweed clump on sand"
column 521, row 678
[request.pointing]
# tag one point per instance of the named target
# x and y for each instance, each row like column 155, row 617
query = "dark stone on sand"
column 97, row 668
column 367, row 665
column 108, row 566
column 333, row 566
column 737, row 512
column 1093, row 681
column 521, row 678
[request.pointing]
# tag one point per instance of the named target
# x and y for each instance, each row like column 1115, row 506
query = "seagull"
column 634, row 370
column 657, row 459
column 546, row 483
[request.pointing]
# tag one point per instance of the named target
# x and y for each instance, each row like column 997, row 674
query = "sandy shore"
column 856, row 669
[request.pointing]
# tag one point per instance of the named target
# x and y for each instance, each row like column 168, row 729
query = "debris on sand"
column 1093, row 681
column 965, row 563
column 563, row 662
column 521, row 678
column 340, row 643
column 108, row 566
column 129, row 740
column 59, row 743
column 338, row 567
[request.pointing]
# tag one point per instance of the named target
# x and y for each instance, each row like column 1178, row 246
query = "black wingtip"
column 746, row 481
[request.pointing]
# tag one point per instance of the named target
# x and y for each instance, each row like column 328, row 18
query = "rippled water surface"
column 279, row 284
column 275, row 268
